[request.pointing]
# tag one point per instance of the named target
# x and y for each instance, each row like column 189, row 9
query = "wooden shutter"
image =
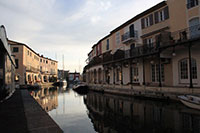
column 166, row 12
column 156, row 17
column 151, row 19
column 142, row 22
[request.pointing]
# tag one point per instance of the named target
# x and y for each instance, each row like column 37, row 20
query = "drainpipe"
column 122, row 73
column 131, row 76
column 113, row 74
column 143, row 65
column 160, row 82
column 103, row 72
column 190, row 65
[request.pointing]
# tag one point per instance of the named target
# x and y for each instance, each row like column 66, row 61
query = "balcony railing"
column 164, row 39
column 186, row 34
column 192, row 3
column 32, row 69
column 128, row 38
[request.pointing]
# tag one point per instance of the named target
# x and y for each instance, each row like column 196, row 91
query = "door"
column 132, row 31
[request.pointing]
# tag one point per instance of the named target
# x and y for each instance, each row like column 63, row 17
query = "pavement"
column 22, row 114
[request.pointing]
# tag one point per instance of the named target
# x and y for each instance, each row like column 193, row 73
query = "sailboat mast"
column 63, row 67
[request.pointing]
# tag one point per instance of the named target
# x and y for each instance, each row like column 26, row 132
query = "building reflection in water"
column 46, row 97
column 110, row 113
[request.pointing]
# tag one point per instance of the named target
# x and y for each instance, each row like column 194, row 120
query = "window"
column 135, row 74
column 28, row 52
column 15, row 49
column 46, row 62
column 155, row 73
column 119, row 75
column 117, row 37
column 148, row 21
column 40, row 60
column 149, row 42
column 192, row 3
column 107, row 44
column 17, row 63
column 161, row 15
column 184, row 69
column 194, row 25
column 194, row 69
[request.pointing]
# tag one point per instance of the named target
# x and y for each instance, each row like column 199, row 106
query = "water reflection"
column 69, row 111
column 46, row 97
column 110, row 113
column 105, row 113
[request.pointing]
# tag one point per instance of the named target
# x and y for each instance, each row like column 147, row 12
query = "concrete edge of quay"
column 155, row 93
column 37, row 118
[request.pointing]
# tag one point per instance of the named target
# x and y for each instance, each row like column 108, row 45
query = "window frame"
column 15, row 49
column 155, row 73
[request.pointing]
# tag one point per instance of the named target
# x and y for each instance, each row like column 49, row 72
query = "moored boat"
column 190, row 101
column 61, row 83
column 81, row 88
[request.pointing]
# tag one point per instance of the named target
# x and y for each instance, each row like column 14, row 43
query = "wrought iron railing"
column 165, row 39
column 186, row 34
column 128, row 36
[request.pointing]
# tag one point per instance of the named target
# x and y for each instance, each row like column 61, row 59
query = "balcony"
column 129, row 37
column 145, row 49
column 164, row 40
column 32, row 69
column 187, row 34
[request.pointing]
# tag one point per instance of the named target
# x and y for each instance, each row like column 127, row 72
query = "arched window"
column 184, row 69
column 194, row 25
column 194, row 69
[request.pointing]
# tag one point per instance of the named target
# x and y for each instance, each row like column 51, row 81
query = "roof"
column 158, row 6
column 18, row 43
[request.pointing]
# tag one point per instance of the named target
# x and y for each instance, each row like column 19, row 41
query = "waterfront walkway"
column 22, row 114
column 146, row 91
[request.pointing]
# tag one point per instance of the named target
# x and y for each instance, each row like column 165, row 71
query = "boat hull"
column 189, row 104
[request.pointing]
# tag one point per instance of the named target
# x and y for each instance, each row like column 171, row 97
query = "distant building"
column 30, row 66
column 74, row 77
column 63, row 74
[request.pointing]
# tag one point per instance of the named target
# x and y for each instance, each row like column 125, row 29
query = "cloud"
column 69, row 27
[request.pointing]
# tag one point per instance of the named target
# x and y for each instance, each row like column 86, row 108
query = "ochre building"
column 31, row 67
column 157, row 48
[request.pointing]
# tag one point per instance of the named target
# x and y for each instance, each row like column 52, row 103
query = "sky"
column 69, row 28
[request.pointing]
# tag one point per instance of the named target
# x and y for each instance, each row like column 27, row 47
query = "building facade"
column 157, row 48
column 7, row 67
column 30, row 66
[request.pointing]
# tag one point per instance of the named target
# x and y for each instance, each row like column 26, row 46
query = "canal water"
column 106, row 113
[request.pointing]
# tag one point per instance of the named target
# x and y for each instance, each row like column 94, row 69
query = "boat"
column 61, row 83
column 190, row 101
column 7, row 67
column 80, row 88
